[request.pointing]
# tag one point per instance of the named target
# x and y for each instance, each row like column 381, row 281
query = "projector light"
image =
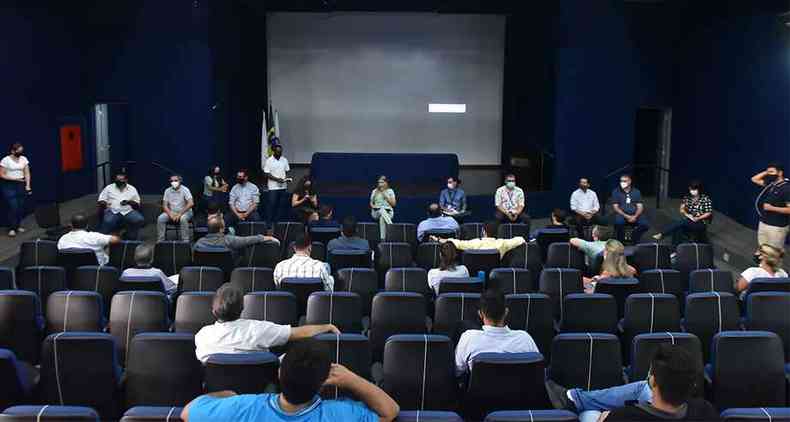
column 446, row 108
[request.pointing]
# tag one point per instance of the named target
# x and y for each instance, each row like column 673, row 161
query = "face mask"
column 175, row 184
column 18, row 153
column 624, row 185
column 240, row 180
column 694, row 192
column 770, row 178
column 119, row 184
column 216, row 172
column 510, row 184
column 451, row 186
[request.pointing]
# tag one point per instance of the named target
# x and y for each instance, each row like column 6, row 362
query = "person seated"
column 628, row 208
column 696, row 209
column 304, row 200
column 667, row 394
column 770, row 266
column 556, row 223
column 326, row 218
column 214, row 186
column 216, row 238
column 448, row 267
column 244, row 200
column 452, row 200
column 592, row 248
column 348, row 240
column 510, row 202
column 301, row 265
column 304, row 371
column 143, row 261
column 494, row 337
column 585, row 206
column 382, row 204
column 486, row 241
column 80, row 238
column 177, row 206
column 120, row 203
column 435, row 221
column 614, row 265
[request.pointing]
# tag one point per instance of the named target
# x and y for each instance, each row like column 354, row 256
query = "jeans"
column 275, row 200
column 641, row 226
column 132, row 221
column 522, row 218
column 231, row 220
column 14, row 195
column 582, row 222
column 183, row 224
column 683, row 226
column 590, row 404
column 384, row 217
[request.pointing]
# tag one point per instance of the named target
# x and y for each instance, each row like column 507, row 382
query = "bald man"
column 436, row 221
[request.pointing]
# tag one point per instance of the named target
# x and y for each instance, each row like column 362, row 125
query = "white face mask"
column 624, row 185
column 175, row 184
column 450, row 186
column 694, row 192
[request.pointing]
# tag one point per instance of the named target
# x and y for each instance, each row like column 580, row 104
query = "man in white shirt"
column 301, row 265
column 120, row 201
column 585, row 206
column 80, row 238
column 177, row 205
column 231, row 334
column 276, row 169
column 144, row 259
column 495, row 337
column 511, row 202
column 243, row 200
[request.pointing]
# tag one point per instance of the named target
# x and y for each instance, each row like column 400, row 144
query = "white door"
column 102, row 147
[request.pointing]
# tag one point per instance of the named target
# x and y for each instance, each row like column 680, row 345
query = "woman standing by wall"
column 15, row 178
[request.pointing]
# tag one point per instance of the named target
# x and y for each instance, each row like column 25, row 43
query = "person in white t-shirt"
column 15, row 186
column 143, row 260
column 80, row 238
column 121, row 202
column 276, row 169
column 770, row 266
column 448, row 267
column 233, row 334
column 177, row 204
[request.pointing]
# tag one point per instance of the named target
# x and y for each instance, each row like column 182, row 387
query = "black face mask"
column 756, row 259
column 119, row 184
column 240, row 180
column 17, row 153
column 770, row 178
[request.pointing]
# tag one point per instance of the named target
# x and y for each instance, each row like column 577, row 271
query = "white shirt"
column 585, row 201
column 436, row 275
column 276, row 168
column 509, row 199
column 301, row 266
column 239, row 336
column 177, row 199
column 14, row 169
column 113, row 197
column 168, row 284
column 490, row 340
column 82, row 239
column 751, row 273
column 243, row 197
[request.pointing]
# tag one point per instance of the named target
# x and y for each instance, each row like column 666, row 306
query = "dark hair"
column 301, row 242
column 434, row 210
column 212, row 207
column 243, row 171
column 510, row 175
column 454, row 178
column 79, row 221
column 349, row 226
column 777, row 166
column 492, row 305
column 300, row 189
column 325, row 209
column 121, row 174
column 228, row 303
column 447, row 256
column 675, row 372
column 627, row 175
column 15, row 146
column 585, row 178
column 216, row 180
column 491, row 227
column 559, row 214
column 696, row 184
column 214, row 225
column 303, row 370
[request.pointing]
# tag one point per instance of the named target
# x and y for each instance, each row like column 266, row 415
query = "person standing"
column 511, row 202
column 177, row 205
column 243, row 201
column 304, row 200
column 15, row 175
column 697, row 211
column 585, row 206
column 382, row 204
column 276, row 170
column 773, row 206
column 629, row 209
column 121, row 202
column 214, row 187
column 452, row 200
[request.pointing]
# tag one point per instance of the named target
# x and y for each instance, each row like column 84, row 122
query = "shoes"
column 658, row 236
column 11, row 233
column 559, row 396
column 21, row 229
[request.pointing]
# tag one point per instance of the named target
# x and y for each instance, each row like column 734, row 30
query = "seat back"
column 769, row 311
column 652, row 256
column 253, row 279
column 526, row 256
column 419, row 372
column 42, row 281
column 769, row 414
column 264, row 255
column 33, row 253
column 778, row 284
column 532, row 416
column 13, row 389
column 711, row 280
column 153, row 414
column 244, row 373
column 135, row 312
column 558, row 282
column 393, row 255
column 693, row 256
column 532, row 313
column 200, row 279
column 103, row 280
column 71, row 310
column 589, row 361
column 440, row 233
column 49, row 413
column 596, row 313
column 324, row 234
column 122, row 254
column 362, row 281
column 20, row 324
column 708, row 314
column 401, row 232
column 221, row 258
column 512, row 280
column 471, row 230
column 644, row 348
column 287, row 231
column 171, row 256
column 452, row 310
column 395, row 313
column 276, row 307
column 461, row 285
column 342, row 309
column 302, row 288
column 477, row 260
column 370, row 232
column 251, row 228
column 7, row 279
column 650, row 313
column 564, row 255
column 662, row 281
column 620, row 288
column 548, row 236
column 428, row 416
column 511, row 230
column 407, row 280
column 340, row 259
column 193, row 312
column 350, row 350
column 428, row 255
column 141, row 284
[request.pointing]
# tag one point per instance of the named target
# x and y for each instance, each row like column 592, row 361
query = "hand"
column 433, row 238
column 176, row 217
column 124, row 202
column 225, row 188
column 330, row 328
column 630, row 218
column 28, row 190
column 340, row 376
column 768, row 207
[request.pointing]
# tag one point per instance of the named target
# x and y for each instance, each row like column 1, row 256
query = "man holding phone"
column 276, row 170
column 121, row 202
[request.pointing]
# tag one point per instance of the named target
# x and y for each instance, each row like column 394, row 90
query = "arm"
column 218, row 394
column 166, row 209
column 639, row 209
column 374, row 397
column 741, row 284
column 616, row 208
column 307, row 331
column 189, row 206
column 463, row 203
column 575, row 203
column 295, row 201
column 603, row 416
column 27, row 178
column 757, row 179
column 780, row 210
column 596, row 204
column 275, row 178
column 115, row 239
column 390, row 198
column 576, row 242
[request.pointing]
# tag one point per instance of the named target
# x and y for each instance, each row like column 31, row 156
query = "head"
column 773, row 172
column 349, row 226
column 175, row 181
column 302, row 244
column 673, row 374
column 121, row 179
column 447, row 256
column 614, row 261
column 599, row 233
column 584, row 184
column 625, row 181
column 215, row 225
column 490, row 228
column 558, row 216
column 242, row 176
column 695, row 188
column 17, row 149
column 434, row 210
column 510, row 181
column 228, row 303
column 383, row 182
column 493, row 309
column 326, row 212
column 212, row 208
column 143, row 255
column 303, row 370
column 79, row 222
column 277, row 151
column 770, row 256
column 452, row 182
column 305, row 185
column 214, row 171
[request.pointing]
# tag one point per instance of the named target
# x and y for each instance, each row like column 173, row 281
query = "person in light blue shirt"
column 304, row 370
column 452, row 199
column 436, row 221
column 348, row 240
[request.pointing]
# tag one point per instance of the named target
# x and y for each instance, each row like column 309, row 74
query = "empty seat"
column 193, row 312
column 532, row 313
column 649, row 313
column 42, row 281
column 132, row 313
column 532, row 416
column 265, row 255
column 769, row 414
column 244, row 373
column 708, row 314
column 693, row 256
column 253, row 279
column 526, row 256
column 370, row 232
column 407, row 280
column 20, row 324
column 770, row 311
column 452, row 309
column 342, row 309
column 324, row 234
column 70, row 259
column 200, row 279
column 564, row 255
column 162, row 370
column 547, row 236
column 505, row 381
column 428, row 416
column 472, row 230
column 171, row 256
column 287, row 231
column 33, row 253
column 401, row 232
column 71, row 310
column 558, row 282
column 100, row 279
column 711, row 280
column 779, row 284
column 122, row 254
column 340, row 259
column 511, row 230
column 663, row 281
column 7, row 279
column 512, row 280
column 589, row 361
column 141, row 284
column 419, row 373
column 477, row 260
column 428, row 255
column 747, row 370
column 620, row 288
column 49, row 413
column 395, row 313
column 16, row 385
column 596, row 313
column 153, row 414
column 644, row 348
column 220, row 257
column 652, row 256
column 461, row 285
column 68, row 360
column 362, row 281
column 302, row 288
column 392, row 255
column 276, row 307
column 251, row 228
column 350, row 350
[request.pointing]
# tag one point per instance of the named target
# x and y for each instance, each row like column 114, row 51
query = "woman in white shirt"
column 214, row 187
column 447, row 266
column 15, row 177
column 770, row 267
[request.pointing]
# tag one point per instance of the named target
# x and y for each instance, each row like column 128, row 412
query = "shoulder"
column 347, row 410
column 4, row 162
column 462, row 268
column 24, row 160
column 186, row 190
column 500, row 189
column 469, row 335
column 751, row 273
column 229, row 408
column 519, row 190
column 781, row 273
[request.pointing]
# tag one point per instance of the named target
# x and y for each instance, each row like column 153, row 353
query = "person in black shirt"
column 666, row 395
column 697, row 212
column 773, row 206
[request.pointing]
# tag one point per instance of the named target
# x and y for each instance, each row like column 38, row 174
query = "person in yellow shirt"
column 486, row 241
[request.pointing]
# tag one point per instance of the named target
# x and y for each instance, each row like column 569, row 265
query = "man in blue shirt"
column 452, row 200
column 628, row 208
column 436, row 221
column 303, row 371
column 348, row 240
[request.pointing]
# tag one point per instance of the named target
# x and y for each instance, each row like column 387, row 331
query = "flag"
column 264, row 140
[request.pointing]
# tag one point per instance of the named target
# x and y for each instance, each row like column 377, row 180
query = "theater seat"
column 595, row 313
column 768, row 285
column 620, row 288
column 70, row 310
column 200, row 279
column 770, row 311
column 564, row 255
column 532, row 416
column 171, row 256
column 428, row 255
column 219, row 257
column 350, row 350
column 652, row 256
column 276, row 307
column 21, row 324
column 302, row 288
column 477, row 260
column 548, row 236
column 427, row 416
column 141, row 284
column 342, row 309
column 153, row 414
column 512, row 280
column 370, row 232
column 132, row 313
column 287, row 232
column 532, row 313
column 407, row 280
column 395, row 313
column 452, row 309
column 33, row 253
column 193, row 312
column 251, row 228
column 392, row 255
column 103, row 280
column 589, row 361
column 708, row 314
column 244, row 373
column 526, row 256
column 770, row 414
column 711, row 280
column 7, row 279
column 16, row 386
column 341, row 259
column 401, row 232
column 324, row 234
column 649, row 313
column 122, row 254
column 362, row 281
column 511, row 230
column 644, row 347
column 693, row 256
column 263, row 255
column 461, row 285
column 558, row 282
column 663, row 281
column 49, row 413
column 42, row 281
column 253, row 279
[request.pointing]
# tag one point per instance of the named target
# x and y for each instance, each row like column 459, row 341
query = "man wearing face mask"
column 511, row 202
column 177, row 205
column 244, row 199
column 452, row 200
column 585, row 206
column 628, row 208
column 120, row 202
column 276, row 169
column 773, row 206
column 696, row 209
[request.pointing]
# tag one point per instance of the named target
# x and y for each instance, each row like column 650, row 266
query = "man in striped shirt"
column 301, row 265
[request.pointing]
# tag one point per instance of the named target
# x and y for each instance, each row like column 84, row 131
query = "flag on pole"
column 264, row 140
column 270, row 133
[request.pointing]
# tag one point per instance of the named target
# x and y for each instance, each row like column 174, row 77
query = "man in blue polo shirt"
column 303, row 371
column 773, row 206
column 628, row 208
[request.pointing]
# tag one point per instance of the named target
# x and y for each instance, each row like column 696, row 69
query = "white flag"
column 264, row 141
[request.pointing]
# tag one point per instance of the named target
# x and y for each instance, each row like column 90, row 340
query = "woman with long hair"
column 304, row 200
column 770, row 266
column 382, row 204
column 696, row 211
column 614, row 265
column 448, row 267
column 214, row 187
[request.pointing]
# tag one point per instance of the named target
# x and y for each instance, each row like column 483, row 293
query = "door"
column 110, row 121
column 652, row 142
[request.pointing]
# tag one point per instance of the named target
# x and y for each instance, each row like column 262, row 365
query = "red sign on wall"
column 71, row 147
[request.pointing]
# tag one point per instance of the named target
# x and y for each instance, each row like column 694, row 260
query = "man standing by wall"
column 276, row 169
column 773, row 206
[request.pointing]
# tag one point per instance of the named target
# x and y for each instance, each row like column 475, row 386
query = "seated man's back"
column 348, row 239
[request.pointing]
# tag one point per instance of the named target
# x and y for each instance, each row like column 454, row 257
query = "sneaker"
column 559, row 396
column 11, row 233
column 21, row 230
column 658, row 236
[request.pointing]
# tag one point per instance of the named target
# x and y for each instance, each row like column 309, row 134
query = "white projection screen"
column 362, row 82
